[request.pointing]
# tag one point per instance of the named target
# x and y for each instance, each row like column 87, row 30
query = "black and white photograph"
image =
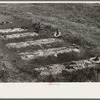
column 49, row 42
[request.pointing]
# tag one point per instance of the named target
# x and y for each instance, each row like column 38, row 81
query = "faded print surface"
column 50, row 42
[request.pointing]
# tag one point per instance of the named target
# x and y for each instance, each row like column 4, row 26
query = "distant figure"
column 96, row 58
column 38, row 27
column 57, row 33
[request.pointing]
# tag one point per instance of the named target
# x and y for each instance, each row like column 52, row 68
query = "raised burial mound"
column 44, row 52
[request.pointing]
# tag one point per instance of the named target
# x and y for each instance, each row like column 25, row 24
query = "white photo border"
column 45, row 90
